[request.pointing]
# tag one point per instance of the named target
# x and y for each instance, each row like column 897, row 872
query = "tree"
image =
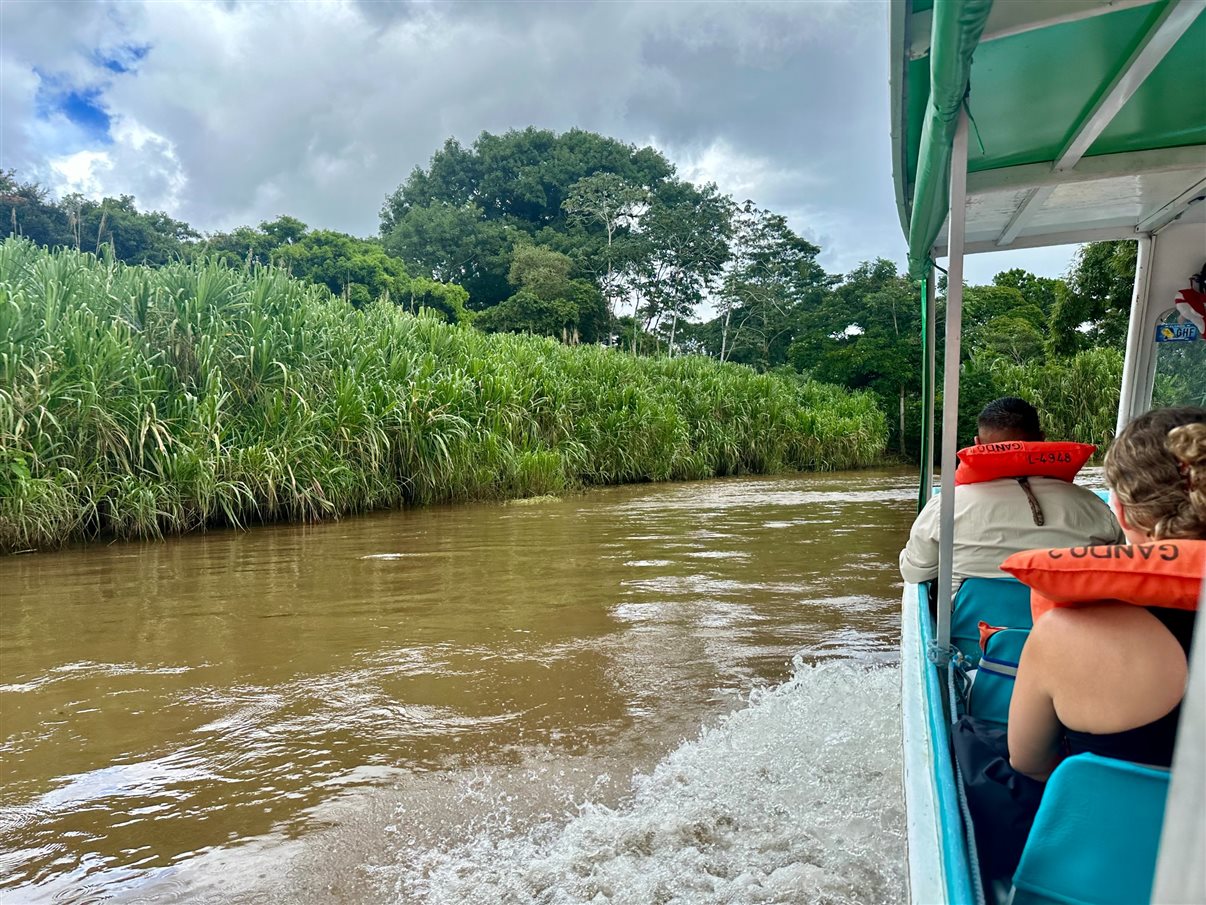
column 526, row 312
column 357, row 270
column 542, row 271
column 243, row 245
column 448, row 299
column 1094, row 308
column 682, row 245
column 455, row 244
column 607, row 201
column 998, row 321
column 284, row 230
column 135, row 237
column 1011, row 338
column 1042, row 292
column 772, row 271
column 360, row 271
column 522, row 176
column 547, row 301
column 865, row 334
column 459, row 218
column 28, row 211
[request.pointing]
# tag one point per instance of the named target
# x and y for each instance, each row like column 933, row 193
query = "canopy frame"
column 1160, row 38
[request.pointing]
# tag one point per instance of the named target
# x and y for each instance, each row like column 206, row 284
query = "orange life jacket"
column 1022, row 459
column 1162, row 573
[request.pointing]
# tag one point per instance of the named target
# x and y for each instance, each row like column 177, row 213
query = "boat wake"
column 793, row 798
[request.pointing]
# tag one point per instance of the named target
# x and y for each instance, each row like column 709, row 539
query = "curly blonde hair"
column 1157, row 469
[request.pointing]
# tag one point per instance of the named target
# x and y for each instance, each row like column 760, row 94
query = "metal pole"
column 928, row 353
column 950, row 378
column 1134, row 397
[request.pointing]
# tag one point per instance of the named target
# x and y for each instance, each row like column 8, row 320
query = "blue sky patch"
column 83, row 107
column 122, row 59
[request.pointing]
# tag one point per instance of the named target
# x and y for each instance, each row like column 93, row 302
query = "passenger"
column 995, row 519
column 1103, row 679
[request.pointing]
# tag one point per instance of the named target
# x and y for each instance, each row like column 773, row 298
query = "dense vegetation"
column 588, row 240
column 136, row 401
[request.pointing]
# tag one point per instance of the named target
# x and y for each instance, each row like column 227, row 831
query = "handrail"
column 954, row 34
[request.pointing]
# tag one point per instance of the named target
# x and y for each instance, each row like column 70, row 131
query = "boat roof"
column 1088, row 119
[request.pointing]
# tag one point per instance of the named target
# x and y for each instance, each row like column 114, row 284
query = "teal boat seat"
column 997, row 601
column 992, row 689
column 1096, row 836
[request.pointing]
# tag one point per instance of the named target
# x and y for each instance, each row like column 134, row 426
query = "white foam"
column 793, row 798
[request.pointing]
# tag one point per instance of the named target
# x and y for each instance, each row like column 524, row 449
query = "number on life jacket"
column 1022, row 459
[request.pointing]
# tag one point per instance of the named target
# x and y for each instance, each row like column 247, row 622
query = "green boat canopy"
column 1088, row 119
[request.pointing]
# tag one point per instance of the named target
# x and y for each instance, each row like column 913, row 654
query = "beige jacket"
column 993, row 521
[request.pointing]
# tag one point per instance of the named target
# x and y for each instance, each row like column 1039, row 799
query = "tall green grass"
column 136, row 402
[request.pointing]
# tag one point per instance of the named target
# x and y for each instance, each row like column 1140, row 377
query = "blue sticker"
column 1176, row 333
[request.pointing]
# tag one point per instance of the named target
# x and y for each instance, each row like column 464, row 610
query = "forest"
column 589, row 241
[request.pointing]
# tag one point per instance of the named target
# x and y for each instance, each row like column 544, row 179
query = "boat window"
column 1180, row 364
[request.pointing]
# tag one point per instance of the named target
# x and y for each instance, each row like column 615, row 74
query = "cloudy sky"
column 228, row 113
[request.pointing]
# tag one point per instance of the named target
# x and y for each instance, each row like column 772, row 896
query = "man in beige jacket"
column 995, row 519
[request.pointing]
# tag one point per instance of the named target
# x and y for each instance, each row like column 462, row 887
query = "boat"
column 1022, row 124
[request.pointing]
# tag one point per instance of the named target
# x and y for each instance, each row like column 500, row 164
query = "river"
column 670, row 693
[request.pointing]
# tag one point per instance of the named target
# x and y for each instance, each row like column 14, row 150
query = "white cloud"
column 241, row 111
column 737, row 173
column 81, row 172
column 137, row 162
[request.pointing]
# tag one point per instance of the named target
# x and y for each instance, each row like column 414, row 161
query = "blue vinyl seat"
column 1096, row 836
column 997, row 601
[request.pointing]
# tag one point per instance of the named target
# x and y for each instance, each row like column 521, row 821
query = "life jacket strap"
column 1036, row 511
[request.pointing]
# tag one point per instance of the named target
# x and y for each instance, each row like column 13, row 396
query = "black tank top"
column 1151, row 743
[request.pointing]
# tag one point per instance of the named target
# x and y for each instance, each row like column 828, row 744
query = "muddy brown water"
column 451, row 704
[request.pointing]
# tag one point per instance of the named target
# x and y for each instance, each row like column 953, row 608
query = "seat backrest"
column 992, row 689
column 1095, row 839
column 997, row 601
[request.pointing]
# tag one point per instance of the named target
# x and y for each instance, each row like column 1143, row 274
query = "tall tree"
column 28, row 211
column 136, row 237
column 609, row 202
column 772, row 271
column 460, row 217
column 1042, row 292
column 360, row 271
column 133, row 236
column 682, row 246
column 1000, row 322
column 865, row 334
column 1094, row 309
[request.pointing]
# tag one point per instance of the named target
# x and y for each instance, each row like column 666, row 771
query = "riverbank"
column 137, row 402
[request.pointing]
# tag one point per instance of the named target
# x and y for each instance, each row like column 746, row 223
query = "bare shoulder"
column 1099, row 633
column 1107, row 667
column 1105, row 618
